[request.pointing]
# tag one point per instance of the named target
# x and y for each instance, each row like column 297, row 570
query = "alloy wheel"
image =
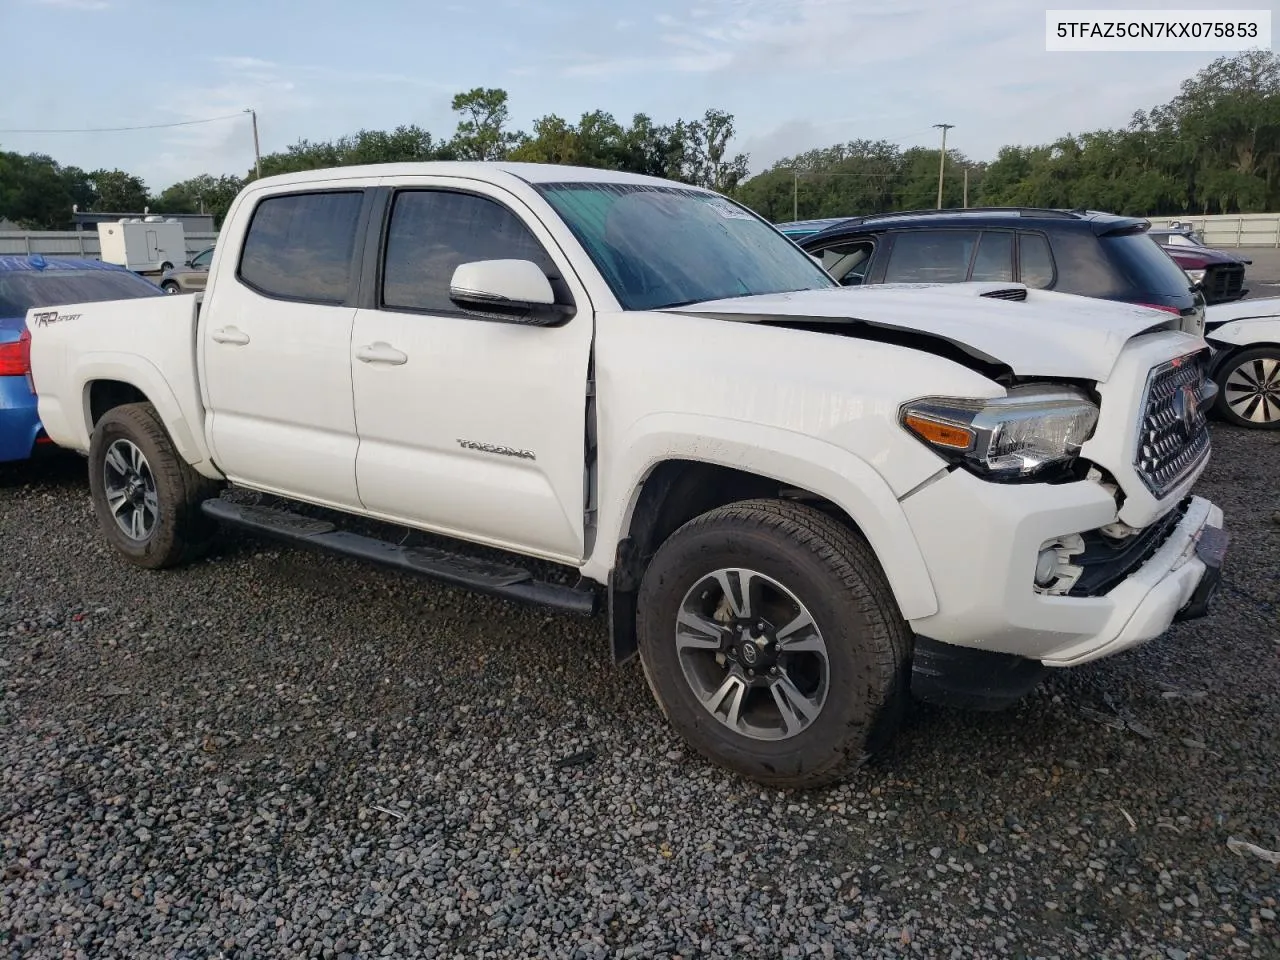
column 130, row 489
column 752, row 654
column 1253, row 390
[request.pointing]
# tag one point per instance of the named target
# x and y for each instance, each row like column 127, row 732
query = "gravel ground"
column 277, row 753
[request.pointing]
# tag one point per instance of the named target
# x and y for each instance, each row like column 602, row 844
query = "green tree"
column 38, row 194
column 481, row 134
column 401, row 145
column 117, row 192
column 202, row 194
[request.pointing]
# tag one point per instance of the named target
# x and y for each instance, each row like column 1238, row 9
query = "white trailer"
column 143, row 244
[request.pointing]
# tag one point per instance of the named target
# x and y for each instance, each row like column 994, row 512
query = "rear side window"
column 1145, row 264
column 931, row 256
column 1035, row 261
column 995, row 257
column 433, row 231
column 300, row 246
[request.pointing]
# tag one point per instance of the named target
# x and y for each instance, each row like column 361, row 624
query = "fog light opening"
column 1055, row 574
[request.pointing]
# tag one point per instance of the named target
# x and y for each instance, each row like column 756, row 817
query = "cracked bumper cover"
column 980, row 541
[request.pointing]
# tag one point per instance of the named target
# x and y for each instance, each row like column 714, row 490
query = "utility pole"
column 966, row 187
column 942, row 157
column 257, row 153
column 795, row 196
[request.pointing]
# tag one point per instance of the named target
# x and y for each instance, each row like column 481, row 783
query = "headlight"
column 1197, row 276
column 1032, row 431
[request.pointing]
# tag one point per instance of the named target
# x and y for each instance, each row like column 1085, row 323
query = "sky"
column 796, row 74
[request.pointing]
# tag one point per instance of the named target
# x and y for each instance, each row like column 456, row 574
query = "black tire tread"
column 191, row 529
column 851, row 560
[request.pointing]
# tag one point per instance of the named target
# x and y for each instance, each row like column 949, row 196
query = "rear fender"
column 145, row 377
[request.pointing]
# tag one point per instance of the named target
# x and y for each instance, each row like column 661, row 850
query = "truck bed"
column 147, row 345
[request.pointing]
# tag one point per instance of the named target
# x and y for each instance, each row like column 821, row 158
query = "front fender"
column 1246, row 332
column 789, row 458
column 146, row 377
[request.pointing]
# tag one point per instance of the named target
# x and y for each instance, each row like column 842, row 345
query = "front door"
column 276, row 348
column 470, row 427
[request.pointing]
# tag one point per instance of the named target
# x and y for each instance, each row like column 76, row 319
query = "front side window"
column 202, row 259
column 931, row 256
column 300, row 246
column 432, row 232
column 848, row 261
column 660, row 246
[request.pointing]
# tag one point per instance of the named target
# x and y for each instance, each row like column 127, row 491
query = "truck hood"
column 1034, row 333
column 1196, row 258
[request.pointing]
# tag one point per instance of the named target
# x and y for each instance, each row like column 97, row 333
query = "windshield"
column 670, row 246
column 20, row 290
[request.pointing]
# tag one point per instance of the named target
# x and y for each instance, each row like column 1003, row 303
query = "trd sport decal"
column 47, row 317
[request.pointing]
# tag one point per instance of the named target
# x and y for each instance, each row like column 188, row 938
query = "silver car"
column 191, row 276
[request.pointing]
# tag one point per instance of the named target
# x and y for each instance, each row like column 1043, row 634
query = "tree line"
column 1213, row 148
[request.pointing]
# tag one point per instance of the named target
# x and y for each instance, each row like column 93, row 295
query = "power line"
column 145, row 126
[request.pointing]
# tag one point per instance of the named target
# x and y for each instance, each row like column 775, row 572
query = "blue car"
column 37, row 281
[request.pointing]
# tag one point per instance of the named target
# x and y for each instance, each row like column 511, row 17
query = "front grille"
column 1107, row 561
column 1224, row 282
column 1173, row 436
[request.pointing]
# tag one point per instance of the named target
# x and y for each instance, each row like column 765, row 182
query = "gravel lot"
column 276, row 753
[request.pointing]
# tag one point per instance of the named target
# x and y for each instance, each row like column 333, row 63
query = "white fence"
column 1232, row 230
column 75, row 243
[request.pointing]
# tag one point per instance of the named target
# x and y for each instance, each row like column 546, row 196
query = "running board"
column 459, row 570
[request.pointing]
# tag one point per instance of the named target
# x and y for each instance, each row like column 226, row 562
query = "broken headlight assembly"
column 1034, row 432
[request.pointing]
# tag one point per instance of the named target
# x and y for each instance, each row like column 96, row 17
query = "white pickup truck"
column 802, row 502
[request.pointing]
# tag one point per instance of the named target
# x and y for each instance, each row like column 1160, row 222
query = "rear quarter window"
column 1146, row 266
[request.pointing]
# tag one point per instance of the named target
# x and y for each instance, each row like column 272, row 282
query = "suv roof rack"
column 1020, row 211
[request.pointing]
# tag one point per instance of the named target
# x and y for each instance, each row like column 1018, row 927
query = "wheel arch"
column 691, row 478
column 107, row 382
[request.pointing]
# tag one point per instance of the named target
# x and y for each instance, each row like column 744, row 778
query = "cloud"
column 73, row 4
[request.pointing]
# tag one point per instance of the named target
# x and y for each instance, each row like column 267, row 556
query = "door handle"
column 231, row 335
column 381, row 352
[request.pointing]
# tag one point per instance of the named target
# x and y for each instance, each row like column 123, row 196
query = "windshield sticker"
column 726, row 209
column 46, row 317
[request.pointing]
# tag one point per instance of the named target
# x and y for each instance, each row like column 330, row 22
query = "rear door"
column 470, row 427
column 276, row 345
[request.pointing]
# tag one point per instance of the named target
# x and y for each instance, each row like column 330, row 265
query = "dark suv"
column 1082, row 252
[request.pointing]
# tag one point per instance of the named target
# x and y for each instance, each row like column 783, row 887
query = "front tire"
column 772, row 642
column 169, row 287
column 1249, row 388
column 146, row 496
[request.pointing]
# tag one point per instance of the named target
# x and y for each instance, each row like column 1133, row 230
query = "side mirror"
column 512, row 291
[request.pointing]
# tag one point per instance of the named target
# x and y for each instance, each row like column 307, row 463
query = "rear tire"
column 803, row 718
column 146, row 496
column 1249, row 388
